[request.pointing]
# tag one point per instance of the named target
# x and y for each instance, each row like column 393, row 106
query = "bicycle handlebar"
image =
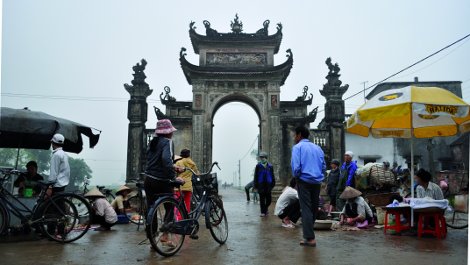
column 207, row 173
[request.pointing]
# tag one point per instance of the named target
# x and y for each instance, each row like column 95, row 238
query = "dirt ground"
column 252, row 240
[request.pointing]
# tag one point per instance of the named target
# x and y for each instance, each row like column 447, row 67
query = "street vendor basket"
column 380, row 199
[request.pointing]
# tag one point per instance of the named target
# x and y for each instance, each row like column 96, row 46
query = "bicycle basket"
column 208, row 181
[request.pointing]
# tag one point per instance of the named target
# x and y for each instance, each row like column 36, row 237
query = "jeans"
column 264, row 201
column 247, row 190
column 308, row 197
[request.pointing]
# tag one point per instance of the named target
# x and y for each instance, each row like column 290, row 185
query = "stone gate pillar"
column 137, row 115
column 333, row 122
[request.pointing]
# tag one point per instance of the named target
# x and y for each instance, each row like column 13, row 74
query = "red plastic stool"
column 397, row 212
column 437, row 215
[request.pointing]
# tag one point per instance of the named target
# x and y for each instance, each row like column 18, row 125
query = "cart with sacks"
column 377, row 183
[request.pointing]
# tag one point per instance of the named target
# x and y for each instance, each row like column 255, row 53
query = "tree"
column 8, row 158
column 79, row 172
column 42, row 157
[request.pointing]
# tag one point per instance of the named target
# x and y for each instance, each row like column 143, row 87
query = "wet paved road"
column 252, row 240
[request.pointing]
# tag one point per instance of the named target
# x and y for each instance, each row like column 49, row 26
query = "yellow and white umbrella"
column 411, row 112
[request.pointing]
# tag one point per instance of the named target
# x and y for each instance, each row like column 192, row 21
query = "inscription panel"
column 236, row 59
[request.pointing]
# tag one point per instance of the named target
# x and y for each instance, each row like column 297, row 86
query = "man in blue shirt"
column 308, row 166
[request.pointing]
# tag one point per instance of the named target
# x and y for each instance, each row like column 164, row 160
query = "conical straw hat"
column 350, row 193
column 122, row 188
column 94, row 193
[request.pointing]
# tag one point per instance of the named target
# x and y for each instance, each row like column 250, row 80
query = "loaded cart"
column 377, row 183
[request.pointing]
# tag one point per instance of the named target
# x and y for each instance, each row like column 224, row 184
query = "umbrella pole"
column 17, row 158
column 412, row 177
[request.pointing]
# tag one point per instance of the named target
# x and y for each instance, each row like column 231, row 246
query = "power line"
column 61, row 97
column 436, row 61
column 408, row 67
column 251, row 148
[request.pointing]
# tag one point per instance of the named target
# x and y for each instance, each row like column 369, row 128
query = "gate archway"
column 236, row 66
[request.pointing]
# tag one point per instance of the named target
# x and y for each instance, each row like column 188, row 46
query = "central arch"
column 257, row 101
column 235, row 136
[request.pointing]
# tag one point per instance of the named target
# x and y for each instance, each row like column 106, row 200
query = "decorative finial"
column 139, row 75
column 182, row 52
column 167, row 98
column 304, row 96
column 236, row 25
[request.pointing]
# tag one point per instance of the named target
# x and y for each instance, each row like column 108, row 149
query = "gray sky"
column 86, row 49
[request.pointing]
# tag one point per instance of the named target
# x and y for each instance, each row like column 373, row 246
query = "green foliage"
column 254, row 153
column 8, row 158
column 79, row 172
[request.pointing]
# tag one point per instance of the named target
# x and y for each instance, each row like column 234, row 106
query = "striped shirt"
column 432, row 191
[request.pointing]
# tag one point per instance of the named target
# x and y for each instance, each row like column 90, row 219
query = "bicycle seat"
column 100, row 187
column 176, row 183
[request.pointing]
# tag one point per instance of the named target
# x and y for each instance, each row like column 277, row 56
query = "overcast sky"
column 71, row 58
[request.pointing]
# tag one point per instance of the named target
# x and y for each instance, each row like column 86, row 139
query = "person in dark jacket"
column 160, row 156
column 264, row 181
column 331, row 188
column 346, row 178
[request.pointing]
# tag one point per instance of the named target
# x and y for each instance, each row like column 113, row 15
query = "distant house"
column 432, row 154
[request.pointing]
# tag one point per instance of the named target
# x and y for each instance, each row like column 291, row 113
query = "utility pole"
column 364, row 85
column 239, row 174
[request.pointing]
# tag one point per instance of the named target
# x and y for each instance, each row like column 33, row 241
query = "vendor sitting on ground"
column 288, row 206
column 102, row 212
column 426, row 188
column 356, row 211
column 121, row 199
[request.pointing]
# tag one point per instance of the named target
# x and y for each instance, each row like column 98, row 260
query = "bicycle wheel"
column 66, row 218
column 4, row 219
column 135, row 210
column 161, row 223
column 457, row 220
column 216, row 220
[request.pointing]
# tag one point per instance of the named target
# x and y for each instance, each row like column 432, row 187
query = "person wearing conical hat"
column 356, row 211
column 102, row 212
column 121, row 197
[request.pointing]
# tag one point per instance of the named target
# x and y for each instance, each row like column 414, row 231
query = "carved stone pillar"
column 333, row 91
column 137, row 115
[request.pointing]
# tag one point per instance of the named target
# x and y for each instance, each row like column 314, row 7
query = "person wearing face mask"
column 264, row 181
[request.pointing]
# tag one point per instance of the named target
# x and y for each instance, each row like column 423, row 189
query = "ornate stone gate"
column 236, row 66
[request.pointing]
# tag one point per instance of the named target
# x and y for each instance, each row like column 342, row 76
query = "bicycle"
column 457, row 215
column 57, row 217
column 136, row 206
column 108, row 193
column 169, row 222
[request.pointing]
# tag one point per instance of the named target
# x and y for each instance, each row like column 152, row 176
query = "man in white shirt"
column 60, row 169
column 288, row 206
column 60, row 174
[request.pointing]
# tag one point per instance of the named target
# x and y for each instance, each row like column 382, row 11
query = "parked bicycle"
column 106, row 192
column 169, row 222
column 136, row 206
column 457, row 214
column 57, row 217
